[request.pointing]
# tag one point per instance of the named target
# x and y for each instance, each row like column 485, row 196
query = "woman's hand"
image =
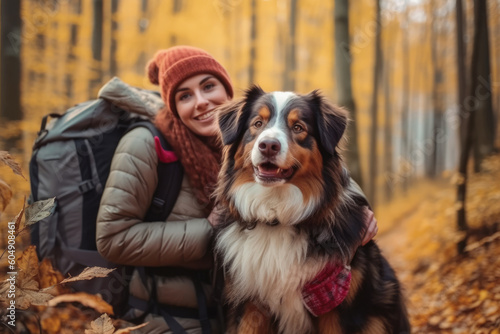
column 215, row 215
column 371, row 226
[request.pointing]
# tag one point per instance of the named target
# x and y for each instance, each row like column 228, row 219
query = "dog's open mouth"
column 269, row 172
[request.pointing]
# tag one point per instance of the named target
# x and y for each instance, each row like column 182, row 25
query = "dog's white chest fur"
column 286, row 203
column 269, row 264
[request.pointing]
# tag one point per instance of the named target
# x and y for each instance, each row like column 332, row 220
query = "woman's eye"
column 209, row 86
column 257, row 124
column 183, row 96
column 298, row 128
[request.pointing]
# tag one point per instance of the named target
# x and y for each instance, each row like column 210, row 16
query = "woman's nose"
column 201, row 101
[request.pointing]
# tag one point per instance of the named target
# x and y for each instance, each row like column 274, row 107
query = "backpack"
column 71, row 161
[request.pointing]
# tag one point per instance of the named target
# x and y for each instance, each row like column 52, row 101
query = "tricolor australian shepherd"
column 291, row 209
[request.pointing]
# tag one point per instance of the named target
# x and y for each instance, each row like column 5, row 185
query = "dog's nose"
column 269, row 147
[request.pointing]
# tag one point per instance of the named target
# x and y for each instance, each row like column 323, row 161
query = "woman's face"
column 196, row 99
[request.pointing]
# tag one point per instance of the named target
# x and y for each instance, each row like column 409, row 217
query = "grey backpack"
column 70, row 161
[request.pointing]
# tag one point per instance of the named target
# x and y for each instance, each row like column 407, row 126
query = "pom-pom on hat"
column 170, row 67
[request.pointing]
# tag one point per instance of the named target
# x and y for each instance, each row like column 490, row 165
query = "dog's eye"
column 298, row 128
column 257, row 124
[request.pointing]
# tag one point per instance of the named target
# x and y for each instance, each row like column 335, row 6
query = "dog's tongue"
column 270, row 170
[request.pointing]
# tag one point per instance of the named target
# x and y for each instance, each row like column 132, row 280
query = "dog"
column 290, row 209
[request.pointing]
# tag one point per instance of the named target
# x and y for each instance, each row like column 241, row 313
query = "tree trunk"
column 374, row 106
column 388, row 121
column 467, row 124
column 436, row 96
column 404, row 170
column 97, row 27
column 10, row 53
column 290, row 58
column 113, row 66
column 253, row 41
column 344, row 85
column 484, row 118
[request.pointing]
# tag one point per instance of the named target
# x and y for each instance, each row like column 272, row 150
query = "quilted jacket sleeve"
column 122, row 237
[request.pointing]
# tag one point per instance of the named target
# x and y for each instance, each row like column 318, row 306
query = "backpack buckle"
column 86, row 186
column 158, row 202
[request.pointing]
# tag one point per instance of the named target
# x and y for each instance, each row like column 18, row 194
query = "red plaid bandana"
column 328, row 289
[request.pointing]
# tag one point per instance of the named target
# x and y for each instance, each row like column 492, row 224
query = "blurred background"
column 411, row 73
column 393, row 64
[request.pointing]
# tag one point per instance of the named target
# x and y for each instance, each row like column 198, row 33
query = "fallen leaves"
column 5, row 195
column 19, row 217
column 9, row 161
column 89, row 273
column 448, row 293
column 27, row 286
column 27, row 264
column 39, row 210
column 104, row 325
column 40, row 285
column 88, row 300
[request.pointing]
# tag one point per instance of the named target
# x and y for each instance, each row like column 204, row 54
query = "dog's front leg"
column 254, row 321
column 329, row 323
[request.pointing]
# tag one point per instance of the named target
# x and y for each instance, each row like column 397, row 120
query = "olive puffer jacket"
column 182, row 242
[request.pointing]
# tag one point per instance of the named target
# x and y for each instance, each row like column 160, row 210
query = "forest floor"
column 445, row 292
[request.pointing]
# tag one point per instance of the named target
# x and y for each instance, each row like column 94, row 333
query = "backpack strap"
column 43, row 129
column 170, row 176
column 202, row 305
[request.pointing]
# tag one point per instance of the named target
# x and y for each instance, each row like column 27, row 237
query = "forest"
column 419, row 78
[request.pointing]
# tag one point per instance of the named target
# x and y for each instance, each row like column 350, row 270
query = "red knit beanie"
column 170, row 67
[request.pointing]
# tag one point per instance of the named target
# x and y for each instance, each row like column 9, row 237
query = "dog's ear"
column 233, row 116
column 331, row 120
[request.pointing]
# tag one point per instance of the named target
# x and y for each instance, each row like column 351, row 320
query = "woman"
column 192, row 85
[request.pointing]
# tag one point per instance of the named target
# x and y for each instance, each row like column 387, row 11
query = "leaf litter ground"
column 446, row 292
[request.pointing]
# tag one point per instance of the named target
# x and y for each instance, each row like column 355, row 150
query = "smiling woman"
column 177, row 253
column 196, row 100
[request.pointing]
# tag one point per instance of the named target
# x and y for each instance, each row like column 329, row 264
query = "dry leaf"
column 101, row 325
column 28, row 284
column 27, row 264
column 4, row 287
column 93, row 301
column 89, row 273
column 5, row 195
column 9, row 161
column 129, row 329
column 39, row 210
column 26, row 297
column 49, row 279
column 19, row 217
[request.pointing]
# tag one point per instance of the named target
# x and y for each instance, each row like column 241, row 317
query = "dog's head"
column 277, row 146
